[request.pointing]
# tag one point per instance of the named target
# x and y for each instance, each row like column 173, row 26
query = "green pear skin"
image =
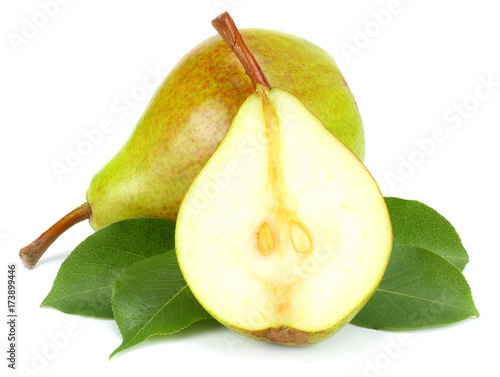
column 192, row 110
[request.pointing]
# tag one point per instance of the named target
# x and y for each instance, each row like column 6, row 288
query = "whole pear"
column 189, row 116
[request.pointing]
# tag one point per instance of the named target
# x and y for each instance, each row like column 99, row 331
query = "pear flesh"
column 284, row 235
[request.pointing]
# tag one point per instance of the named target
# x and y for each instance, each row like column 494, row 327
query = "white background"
column 412, row 71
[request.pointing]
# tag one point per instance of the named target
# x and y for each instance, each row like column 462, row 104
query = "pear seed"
column 301, row 239
column 266, row 239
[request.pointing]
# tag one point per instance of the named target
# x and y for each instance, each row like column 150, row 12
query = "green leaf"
column 423, row 285
column 415, row 224
column 151, row 298
column 419, row 289
column 84, row 282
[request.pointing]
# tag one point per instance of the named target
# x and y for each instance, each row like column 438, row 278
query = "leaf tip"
column 116, row 351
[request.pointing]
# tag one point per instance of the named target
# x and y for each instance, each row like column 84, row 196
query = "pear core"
column 284, row 235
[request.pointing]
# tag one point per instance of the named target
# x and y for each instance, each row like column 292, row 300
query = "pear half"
column 284, row 235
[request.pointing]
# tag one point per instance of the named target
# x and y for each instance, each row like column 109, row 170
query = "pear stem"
column 225, row 26
column 32, row 253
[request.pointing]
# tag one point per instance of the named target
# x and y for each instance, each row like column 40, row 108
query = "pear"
column 187, row 119
column 284, row 235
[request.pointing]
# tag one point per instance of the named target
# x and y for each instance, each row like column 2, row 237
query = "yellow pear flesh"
column 284, row 235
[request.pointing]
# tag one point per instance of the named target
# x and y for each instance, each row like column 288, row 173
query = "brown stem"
column 32, row 253
column 225, row 26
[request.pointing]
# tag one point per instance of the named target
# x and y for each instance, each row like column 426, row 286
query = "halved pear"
column 284, row 235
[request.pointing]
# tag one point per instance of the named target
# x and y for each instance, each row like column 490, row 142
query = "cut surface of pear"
column 284, row 235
